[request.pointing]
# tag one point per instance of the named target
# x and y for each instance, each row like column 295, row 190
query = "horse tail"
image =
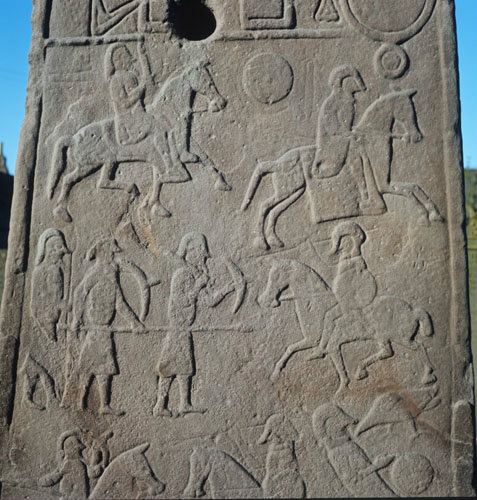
column 58, row 164
column 425, row 323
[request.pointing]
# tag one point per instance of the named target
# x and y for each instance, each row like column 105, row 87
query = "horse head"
column 278, row 427
column 278, row 282
column 201, row 82
column 405, row 113
column 137, row 466
column 396, row 107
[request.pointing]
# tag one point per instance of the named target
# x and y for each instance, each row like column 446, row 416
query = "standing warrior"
column 97, row 301
column 50, row 282
column 177, row 356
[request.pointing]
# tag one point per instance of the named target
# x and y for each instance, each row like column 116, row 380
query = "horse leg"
column 29, row 387
column 428, row 376
column 106, row 180
column 220, row 182
column 183, row 133
column 385, row 352
column 69, row 182
column 336, row 357
column 253, row 186
column 270, row 228
column 329, row 326
column 58, row 165
column 265, row 207
column 302, row 345
column 415, row 192
column 154, row 198
column 48, row 388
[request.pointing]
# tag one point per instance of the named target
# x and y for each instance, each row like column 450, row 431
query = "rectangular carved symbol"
column 236, row 265
column 267, row 15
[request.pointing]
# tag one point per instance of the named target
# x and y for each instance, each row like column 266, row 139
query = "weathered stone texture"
column 237, row 265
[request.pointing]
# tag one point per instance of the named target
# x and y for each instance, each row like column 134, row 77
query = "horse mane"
column 296, row 266
column 371, row 111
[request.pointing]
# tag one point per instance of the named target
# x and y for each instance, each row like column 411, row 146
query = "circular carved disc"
column 412, row 474
column 391, row 61
column 394, row 21
column 268, row 78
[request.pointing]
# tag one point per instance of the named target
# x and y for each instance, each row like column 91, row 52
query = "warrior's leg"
column 163, row 387
column 104, row 387
column 84, row 382
column 185, row 406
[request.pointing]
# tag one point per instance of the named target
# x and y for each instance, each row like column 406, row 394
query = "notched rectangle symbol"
column 267, row 14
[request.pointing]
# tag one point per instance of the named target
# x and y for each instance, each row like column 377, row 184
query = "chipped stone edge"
column 463, row 423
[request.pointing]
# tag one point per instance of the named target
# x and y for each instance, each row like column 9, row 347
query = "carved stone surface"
column 236, row 264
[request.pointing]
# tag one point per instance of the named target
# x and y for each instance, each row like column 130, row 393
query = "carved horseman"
column 354, row 286
column 337, row 142
column 127, row 90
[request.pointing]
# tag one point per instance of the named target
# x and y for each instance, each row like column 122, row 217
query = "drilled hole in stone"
column 192, row 19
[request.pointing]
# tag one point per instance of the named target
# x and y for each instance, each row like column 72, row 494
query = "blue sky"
column 15, row 36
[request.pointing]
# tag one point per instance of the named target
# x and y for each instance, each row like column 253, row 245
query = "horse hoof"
column 133, row 192
column 435, row 216
column 277, row 243
column 221, row 185
column 424, row 220
column 187, row 157
column 62, row 213
column 429, row 379
column 316, row 354
column 160, row 211
column 361, row 374
column 161, row 412
column 260, row 243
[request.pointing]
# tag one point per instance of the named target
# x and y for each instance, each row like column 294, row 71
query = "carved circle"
column 268, row 78
column 393, row 22
column 391, row 61
column 412, row 474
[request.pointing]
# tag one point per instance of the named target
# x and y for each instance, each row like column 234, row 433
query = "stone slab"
column 237, row 266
